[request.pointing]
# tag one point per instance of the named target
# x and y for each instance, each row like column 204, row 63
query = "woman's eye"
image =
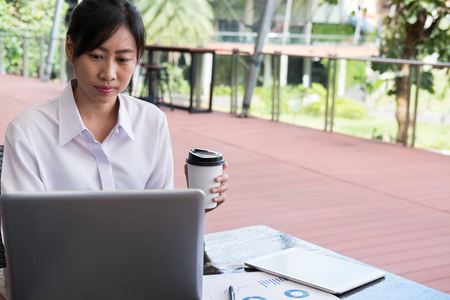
column 95, row 56
column 123, row 60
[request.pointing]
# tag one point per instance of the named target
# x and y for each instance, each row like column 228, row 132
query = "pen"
column 231, row 292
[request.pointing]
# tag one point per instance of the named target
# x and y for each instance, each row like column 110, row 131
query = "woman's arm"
column 20, row 171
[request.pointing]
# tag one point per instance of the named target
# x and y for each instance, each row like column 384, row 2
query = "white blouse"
column 47, row 148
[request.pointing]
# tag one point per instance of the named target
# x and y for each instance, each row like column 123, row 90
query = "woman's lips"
column 105, row 89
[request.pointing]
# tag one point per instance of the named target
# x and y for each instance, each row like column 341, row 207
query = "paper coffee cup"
column 203, row 167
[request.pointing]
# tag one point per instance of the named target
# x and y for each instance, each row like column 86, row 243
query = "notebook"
column 104, row 245
column 316, row 270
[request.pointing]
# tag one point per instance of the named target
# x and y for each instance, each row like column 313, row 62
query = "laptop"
column 104, row 245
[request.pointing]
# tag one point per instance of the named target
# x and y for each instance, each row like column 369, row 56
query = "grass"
column 432, row 136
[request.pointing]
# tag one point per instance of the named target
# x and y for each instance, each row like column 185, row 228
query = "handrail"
column 331, row 83
column 293, row 38
column 43, row 40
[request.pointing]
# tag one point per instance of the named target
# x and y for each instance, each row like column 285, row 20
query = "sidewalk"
column 383, row 204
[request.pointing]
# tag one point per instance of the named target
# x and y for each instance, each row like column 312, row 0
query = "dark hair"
column 92, row 22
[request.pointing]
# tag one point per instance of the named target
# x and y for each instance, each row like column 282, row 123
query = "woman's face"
column 106, row 71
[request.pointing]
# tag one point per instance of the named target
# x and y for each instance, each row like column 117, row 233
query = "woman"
column 91, row 137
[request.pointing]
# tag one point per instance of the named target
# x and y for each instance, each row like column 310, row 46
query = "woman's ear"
column 69, row 48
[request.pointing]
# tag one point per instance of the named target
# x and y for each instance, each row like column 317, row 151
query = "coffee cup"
column 203, row 167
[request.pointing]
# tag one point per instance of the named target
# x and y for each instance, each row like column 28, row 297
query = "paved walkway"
column 383, row 204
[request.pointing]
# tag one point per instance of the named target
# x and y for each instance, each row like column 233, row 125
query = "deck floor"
column 383, row 204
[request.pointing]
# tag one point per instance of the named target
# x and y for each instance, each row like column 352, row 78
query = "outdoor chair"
column 2, row 248
column 154, row 76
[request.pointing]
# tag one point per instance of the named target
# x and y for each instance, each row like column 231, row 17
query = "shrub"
column 344, row 108
column 176, row 79
column 286, row 93
column 315, row 109
column 222, row 90
column 349, row 109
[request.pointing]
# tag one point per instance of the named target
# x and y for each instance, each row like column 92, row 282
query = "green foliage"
column 286, row 93
column 176, row 79
column 344, row 107
column 221, row 9
column 373, row 86
column 177, row 22
column 426, row 82
column 416, row 29
column 30, row 19
column 349, row 109
column 318, row 89
column 352, row 118
column 7, row 18
column 335, row 29
column 266, row 96
column 315, row 109
column 407, row 32
column 222, row 90
column 333, row 2
column 292, row 99
column 355, row 71
column 225, row 90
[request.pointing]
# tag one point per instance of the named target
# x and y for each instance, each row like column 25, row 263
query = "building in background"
column 299, row 28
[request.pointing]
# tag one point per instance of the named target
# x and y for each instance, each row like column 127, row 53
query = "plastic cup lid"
column 203, row 157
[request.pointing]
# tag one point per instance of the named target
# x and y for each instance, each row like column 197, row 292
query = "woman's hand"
column 221, row 189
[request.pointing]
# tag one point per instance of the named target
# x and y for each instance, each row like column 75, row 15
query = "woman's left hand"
column 221, row 189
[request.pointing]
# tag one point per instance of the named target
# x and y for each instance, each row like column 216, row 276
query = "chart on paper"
column 258, row 286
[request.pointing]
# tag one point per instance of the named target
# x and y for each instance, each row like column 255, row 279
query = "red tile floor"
column 383, row 204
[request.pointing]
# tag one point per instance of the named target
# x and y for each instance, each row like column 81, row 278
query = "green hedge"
column 344, row 108
column 336, row 29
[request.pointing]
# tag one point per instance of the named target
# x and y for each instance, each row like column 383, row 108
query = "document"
column 258, row 286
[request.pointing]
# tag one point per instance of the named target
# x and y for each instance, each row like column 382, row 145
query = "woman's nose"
column 108, row 71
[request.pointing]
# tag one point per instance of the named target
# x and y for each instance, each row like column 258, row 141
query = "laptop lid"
column 104, row 245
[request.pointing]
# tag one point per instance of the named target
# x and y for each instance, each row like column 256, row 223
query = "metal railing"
column 330, row 100
column 30, row 64
column 274, row 38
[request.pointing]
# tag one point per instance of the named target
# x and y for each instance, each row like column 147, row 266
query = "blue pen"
column 231, row 292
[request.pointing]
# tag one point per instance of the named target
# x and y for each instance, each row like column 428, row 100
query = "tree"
column 415, row 30
column 177, row 22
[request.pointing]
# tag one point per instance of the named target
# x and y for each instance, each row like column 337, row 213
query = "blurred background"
column 366, row 68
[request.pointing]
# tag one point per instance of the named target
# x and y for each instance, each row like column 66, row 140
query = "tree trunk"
column 402, row 104
column 414, row 37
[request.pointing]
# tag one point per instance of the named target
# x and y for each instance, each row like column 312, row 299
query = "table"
column 225, row 252
column 194, row 52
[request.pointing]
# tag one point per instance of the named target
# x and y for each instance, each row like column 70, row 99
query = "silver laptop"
column 104, row 245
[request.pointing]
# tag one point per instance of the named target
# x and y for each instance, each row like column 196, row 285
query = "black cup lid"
column 203, row 157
